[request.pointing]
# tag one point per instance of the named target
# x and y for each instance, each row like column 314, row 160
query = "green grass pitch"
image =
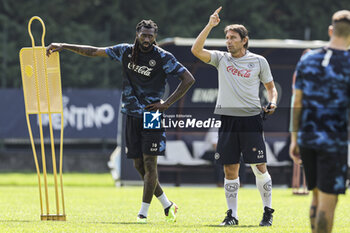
column 93, row 204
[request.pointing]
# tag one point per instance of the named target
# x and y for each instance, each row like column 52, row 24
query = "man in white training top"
column 241, row 134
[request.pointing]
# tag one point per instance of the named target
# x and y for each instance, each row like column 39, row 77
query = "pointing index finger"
column 218, row 10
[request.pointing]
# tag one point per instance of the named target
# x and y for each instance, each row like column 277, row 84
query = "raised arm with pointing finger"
column 240, row 73
column 198, row 46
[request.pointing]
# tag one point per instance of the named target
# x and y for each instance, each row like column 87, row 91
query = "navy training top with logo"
column 144, row 83
column 323, row 75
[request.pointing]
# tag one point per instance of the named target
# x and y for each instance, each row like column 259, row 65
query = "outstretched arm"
column 84, row 50
column 187, row 81
column 198, row 46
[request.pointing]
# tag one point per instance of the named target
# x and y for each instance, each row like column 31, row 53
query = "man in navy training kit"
column 145, row 69
column 240, row 73
column 319, row 121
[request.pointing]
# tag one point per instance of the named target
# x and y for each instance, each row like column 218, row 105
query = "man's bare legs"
column 147, row 168
column 325, row 212
column 140, row 165
column 313, row 209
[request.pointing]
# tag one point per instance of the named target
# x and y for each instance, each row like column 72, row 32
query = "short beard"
column 143, row 48
column 233, row 51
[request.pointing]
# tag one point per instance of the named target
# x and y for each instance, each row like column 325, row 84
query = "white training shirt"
column 239, row 82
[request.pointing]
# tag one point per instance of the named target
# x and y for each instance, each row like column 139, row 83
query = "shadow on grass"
column 214, row 226
column 239, row 226
column 119, row 223
column 122, row 223
column 16, row 221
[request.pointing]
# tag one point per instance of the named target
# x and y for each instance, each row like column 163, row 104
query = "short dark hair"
column 341, row 23
column 240, row 29
column 147, row 24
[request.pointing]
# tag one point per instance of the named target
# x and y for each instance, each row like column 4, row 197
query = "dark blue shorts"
column 325, row 170
column 141, row 141
column 241, row 136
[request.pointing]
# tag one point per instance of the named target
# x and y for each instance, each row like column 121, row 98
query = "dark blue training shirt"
column 323, row 75
column 144, row 83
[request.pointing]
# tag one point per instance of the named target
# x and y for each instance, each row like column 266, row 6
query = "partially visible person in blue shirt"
column 320, row 108
column 323, row 77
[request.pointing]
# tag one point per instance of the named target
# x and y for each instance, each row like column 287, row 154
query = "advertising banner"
column 88, row 113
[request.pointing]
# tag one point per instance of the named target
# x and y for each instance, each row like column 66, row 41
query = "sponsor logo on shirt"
column 245, row 73
column 144, row 70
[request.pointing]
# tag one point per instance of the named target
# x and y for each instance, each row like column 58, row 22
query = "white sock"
column 264, row 184
column 231, row 193
column 144, row 208
column 164, row 201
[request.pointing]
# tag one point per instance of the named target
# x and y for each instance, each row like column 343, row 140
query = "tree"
column 108, row 22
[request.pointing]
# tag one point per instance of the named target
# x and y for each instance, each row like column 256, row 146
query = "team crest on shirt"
column 152, row 63
column 129, row 56
column 251, row 65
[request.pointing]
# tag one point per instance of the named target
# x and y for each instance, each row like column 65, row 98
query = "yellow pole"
column 50, row 122
column 39, row 111
column 61, row 161
column 33, row 148
column 36, row 162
